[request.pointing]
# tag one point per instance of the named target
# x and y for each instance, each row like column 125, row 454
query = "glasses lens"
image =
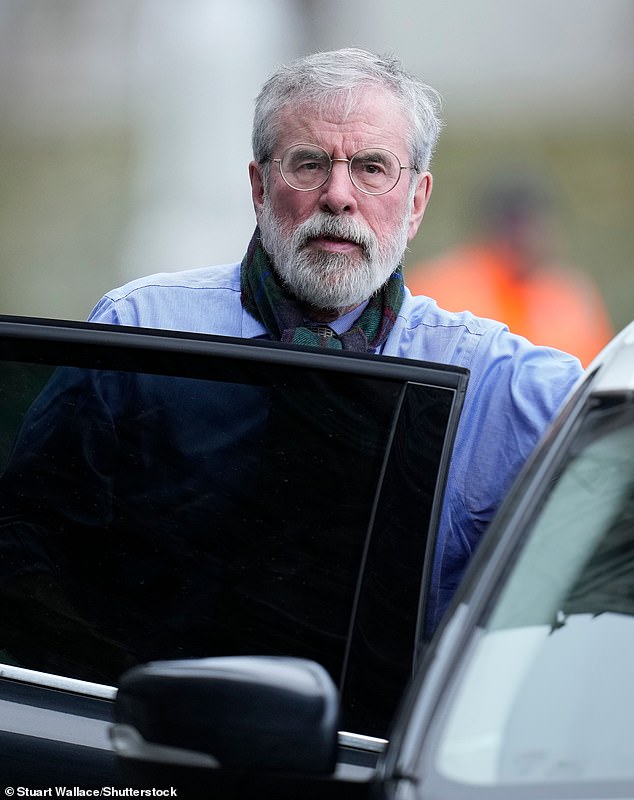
column 375, row 171
column 305, row 167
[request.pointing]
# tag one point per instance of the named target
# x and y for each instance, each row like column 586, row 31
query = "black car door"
column 166, row 495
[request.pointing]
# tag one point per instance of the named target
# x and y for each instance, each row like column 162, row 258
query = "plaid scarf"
column 264, row 298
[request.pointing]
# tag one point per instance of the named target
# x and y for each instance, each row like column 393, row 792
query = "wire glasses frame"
column 373, row 170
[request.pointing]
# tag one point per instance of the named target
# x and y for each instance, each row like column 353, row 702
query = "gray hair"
column 332, row 78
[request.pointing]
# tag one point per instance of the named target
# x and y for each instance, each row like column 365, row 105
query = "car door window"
column 173, row 506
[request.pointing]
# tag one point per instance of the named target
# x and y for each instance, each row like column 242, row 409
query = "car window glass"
column 546, row 695
column 147, row 516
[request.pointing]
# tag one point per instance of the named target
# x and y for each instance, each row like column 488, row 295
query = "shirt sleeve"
column 514, row 399
column 514, row 393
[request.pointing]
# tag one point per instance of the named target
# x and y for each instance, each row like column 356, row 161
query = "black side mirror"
column 242, row 714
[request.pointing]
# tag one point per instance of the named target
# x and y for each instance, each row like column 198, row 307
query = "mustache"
column 337, row 228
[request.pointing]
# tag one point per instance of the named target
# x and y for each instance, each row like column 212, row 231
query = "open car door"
column 168, row 495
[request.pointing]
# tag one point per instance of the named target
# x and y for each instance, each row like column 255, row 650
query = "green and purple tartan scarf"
column 264, row 298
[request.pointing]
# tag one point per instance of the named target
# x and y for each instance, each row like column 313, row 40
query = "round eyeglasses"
column 373, row 170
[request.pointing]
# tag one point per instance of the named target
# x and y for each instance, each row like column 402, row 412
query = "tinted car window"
column 239, row 508
column 546, row 696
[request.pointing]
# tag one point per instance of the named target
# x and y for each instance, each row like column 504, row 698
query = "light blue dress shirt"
column 514, row 390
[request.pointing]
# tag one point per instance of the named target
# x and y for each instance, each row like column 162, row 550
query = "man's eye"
column 311, row 166
column 372, row 168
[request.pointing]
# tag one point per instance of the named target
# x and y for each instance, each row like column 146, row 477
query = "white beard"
column 331, row 281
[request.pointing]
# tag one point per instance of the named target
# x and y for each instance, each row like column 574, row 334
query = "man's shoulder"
column 485, row 346
column 222, row 276
column 424, row 311
column 203, row 300
column 426, row 331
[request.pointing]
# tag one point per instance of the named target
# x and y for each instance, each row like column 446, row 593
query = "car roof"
column 614, row 366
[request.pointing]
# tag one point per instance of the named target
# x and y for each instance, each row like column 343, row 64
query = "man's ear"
column 419, row 203
column 257, row 186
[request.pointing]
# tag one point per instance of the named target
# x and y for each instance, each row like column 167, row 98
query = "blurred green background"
column 125, row 128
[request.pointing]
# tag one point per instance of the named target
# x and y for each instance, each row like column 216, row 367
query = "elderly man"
column 342, row 143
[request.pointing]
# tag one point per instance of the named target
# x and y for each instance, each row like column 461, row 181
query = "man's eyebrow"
column 371, row 154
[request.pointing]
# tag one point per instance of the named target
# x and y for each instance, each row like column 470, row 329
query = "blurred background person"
column 512, row 270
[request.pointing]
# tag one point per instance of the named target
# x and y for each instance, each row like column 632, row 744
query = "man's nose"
column 338, row 194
